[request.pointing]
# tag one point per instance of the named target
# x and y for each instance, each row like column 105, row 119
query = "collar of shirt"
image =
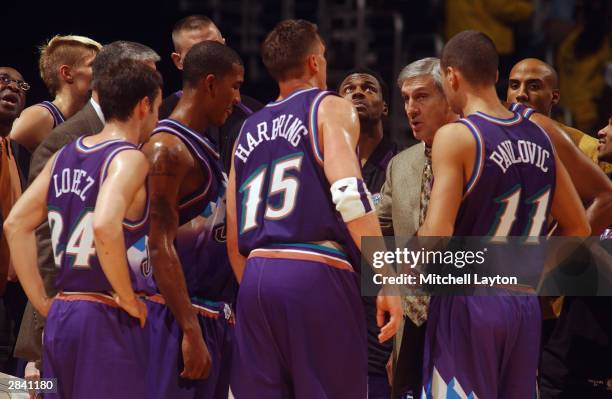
column 97, row 108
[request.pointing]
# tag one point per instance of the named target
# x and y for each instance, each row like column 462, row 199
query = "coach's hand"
column 388, row 304
column 135, row 308
column 196, row 359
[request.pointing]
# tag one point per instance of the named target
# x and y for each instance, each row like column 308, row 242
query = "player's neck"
column 370, row 136
column 289, row 86
column 117, row 130
column 67, row 102
column 487, row 102
column 188, row 111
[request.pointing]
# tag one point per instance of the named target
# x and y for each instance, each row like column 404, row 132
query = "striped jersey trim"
column 58, row 116
column 127, row 223
column 81, row 147
column 479, row 162
column 183, row 133
column 504, row 122
column 198, row 137
column 302, row 254
column 313, row 125
column 295, row 93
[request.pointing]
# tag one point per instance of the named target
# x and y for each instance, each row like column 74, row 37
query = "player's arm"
column 237, row 261
column 25, row 216
column 125, row 176
column 31, row 127
column 338, row 125
column 170, row 163
column 567, row 208
column 592, row 185
column 453, row 146
column 339, row 128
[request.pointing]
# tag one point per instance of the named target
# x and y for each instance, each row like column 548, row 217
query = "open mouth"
column 9, row 98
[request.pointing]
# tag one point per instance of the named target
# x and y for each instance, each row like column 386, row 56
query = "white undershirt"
column 97, row 108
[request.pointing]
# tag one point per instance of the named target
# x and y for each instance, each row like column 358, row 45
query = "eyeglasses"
column 7, row 80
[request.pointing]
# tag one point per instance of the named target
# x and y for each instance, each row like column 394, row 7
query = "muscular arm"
column 339, row 127
column 125, row 177
column 592, row 185
column 31, row 127
column 566, row 207
column 29, row 212
column 170, row 164
column 452, row 150
column 237, row 261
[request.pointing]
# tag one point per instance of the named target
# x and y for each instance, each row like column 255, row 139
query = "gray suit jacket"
column 83, row 123
column 400, row 203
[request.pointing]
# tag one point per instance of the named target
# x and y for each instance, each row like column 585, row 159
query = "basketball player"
column 487, row 347
column 604, row 149
column 538, row 81
column 65, row 68
column 188, row 250
column 295, row 187
column 187, row 32
column 368, row 92
column 97, row 203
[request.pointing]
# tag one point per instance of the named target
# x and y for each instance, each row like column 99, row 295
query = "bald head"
column 189, row 31
column 534, row 83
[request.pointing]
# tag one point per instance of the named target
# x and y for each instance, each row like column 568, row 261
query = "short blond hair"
column 63, row 50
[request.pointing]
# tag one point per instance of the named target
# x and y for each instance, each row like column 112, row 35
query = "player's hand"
column 196, row 359
column 388, row 304
column 135, row 308
column 46, row 306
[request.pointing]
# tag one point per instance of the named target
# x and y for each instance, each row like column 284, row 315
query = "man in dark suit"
column 12, row 178
column 187, row 32
column 87, row 121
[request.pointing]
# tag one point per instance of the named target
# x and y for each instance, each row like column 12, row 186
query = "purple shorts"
column 482, row 346
column 300, row 332
column 165, row 354
column 94, row 349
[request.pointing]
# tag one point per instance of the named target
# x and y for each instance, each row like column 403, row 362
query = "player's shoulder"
column 166, row 147
column 130, row 158
column 336, row 107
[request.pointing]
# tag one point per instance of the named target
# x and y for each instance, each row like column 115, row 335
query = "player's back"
column 511, row 188
column 76, row 177
column 282, row 195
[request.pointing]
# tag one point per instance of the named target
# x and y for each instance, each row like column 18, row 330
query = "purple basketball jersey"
column 58, row 117
column 200, row 240
column 282, row 194
column 511, row 188
column 76, row 177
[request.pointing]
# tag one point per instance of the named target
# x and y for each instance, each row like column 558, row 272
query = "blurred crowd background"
column 385, row 35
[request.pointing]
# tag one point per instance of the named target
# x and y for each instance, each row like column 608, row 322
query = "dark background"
column 383, row 35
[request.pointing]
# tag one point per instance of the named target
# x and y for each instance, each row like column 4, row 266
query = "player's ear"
column 496, row 76
column 66, row 73
column 176, row 59
column 385, row 109
column 556, row 96
column 209, row 82
column 313, row 65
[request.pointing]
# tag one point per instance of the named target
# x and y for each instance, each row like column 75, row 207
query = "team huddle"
column 178, row 277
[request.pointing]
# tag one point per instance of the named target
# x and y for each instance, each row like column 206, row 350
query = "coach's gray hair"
column 119, row 51
column 424, row 66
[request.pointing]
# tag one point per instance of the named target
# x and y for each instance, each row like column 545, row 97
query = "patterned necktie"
column 416, row 307
column 426, row 184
